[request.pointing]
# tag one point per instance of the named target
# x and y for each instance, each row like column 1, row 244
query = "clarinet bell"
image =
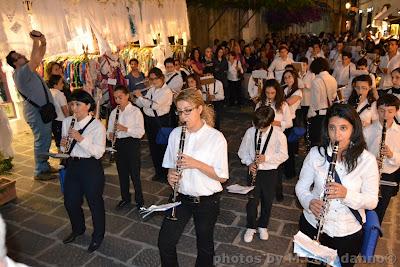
column 172, row 217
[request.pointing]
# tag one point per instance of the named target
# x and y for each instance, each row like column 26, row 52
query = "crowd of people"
column 329, row 89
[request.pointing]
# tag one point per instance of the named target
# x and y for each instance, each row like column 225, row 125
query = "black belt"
column 197, row 200
column 81, row 158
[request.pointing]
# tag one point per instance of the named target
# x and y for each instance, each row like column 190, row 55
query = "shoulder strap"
column 364, row 108
column 170, row 79
column 266, row 141
column 337, row 180
column 326, row 91
column 291, row 93
column 30, row 101
column 81, row 132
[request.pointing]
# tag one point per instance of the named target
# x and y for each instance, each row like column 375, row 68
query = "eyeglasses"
column 185, row 111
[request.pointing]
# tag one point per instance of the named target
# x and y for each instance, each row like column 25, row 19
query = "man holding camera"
column 36, row 95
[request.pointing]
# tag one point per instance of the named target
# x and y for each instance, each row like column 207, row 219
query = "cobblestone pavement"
column 37, row 221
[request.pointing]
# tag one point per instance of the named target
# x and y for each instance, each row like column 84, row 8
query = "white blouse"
column 159, row 100
column 362, row 186
column 282, row 115
column 275, row 154
column 207, row 145
column 132, row 118
column 94, row 138
column 373, row 135
column 296, row 105
column 369, row 114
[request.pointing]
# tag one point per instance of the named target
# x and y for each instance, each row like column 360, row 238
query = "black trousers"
column 218, row 105
column 128, row 167
column 205, row 216
column 387, row 192
column 264, row 190
column 235, row 92
column 290, row 164
column 85, row 177
column 316, row 124
column 156, row 151
column 348, row 247
column 56, row 130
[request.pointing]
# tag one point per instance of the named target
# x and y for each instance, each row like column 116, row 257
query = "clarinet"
column 69, row 140
column 114, row 139
column 254, row 174
column 179, row 171
column 329, row 179
column 381, row 148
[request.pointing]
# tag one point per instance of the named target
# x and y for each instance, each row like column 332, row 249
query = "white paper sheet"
column 239, row 189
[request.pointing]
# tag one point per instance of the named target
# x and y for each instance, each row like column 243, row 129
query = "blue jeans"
column 42, row 137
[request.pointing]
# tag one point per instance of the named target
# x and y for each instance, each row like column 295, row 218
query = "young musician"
column 204, row 162
column 395, row 90
column 273, row 95
column 85, row 175
column 272, row 142
column 355, row 188
column 253, row 86
column 363, row 101
column 323, row 93
column 173, row 78
column 388, row 63
column 127, row 130
column 277, row 66
column 213, row 93
column 156, row 106
column 56, row 84
column 193, row 81
column 293, row 96
column 343, row 72
column 388, row 105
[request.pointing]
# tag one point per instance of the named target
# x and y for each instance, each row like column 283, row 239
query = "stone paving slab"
column 37, row 221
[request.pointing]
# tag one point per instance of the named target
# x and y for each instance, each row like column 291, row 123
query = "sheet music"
column 163, row 207
column 304, row 246
column 239, row 189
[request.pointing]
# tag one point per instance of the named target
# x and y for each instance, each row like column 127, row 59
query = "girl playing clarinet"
column 84, row 175
column 127, row 131
column 259, row 141
column 355, row 188
column 204, row 162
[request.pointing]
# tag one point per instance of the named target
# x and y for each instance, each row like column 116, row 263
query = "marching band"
column 352, row 132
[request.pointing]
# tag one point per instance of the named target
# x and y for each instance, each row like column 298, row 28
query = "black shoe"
column 71, row 238
column 122, row 204
column 94, row 245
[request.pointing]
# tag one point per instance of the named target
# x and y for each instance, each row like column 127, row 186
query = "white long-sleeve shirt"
column 275, row 154
column 391, row 64
column 373, row 135
column 232, row 73
column 277, row 68
column 335, row 58
column 368, row 115
column 216, row 89
column 322, row 85
column 307, row 80
column 161, row 101
column 176, row 83
column 282, row 115
column 343, row 74
column 94, row 138
column 130, row 117
column 362, row 186
column 207, row 145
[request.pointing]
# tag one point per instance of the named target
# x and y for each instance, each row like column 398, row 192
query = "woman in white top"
column 358, row 188
column 204, row 162
column 363, row 101
column 156, row 107
column 273, row 95
column 84, row 172
column 56, row 84
column 127, row 132
column 235, row 72
column 293, row 97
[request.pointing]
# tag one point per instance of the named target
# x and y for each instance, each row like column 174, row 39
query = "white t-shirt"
column 59, row 101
